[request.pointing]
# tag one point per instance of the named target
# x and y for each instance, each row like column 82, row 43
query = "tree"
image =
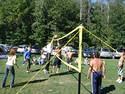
column 117, row 23
column 53, row 16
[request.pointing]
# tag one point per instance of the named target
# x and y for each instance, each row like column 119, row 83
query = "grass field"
column 62, row 83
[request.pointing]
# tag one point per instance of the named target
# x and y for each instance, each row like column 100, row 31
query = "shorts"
column 69, row 60
column 120, row 71
column 57, row 62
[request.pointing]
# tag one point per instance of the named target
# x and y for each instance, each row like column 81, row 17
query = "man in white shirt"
column 49, row 49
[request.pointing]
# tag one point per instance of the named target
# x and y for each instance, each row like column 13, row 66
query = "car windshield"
column 22, row 46
column 105, row 49
column 35, row 46
column 119, row 50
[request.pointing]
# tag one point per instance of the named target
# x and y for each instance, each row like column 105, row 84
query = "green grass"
column 64, row 83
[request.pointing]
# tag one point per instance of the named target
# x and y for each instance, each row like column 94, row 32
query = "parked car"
column 35, row 49
column 21, row 48
column 118, row 52
column 87, row 52
column 105, row 53
column 69, row 48
column 3, row 53
column 5, row 47
column 14, row 47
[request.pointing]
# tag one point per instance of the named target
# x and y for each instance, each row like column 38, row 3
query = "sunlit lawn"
column 62, row 83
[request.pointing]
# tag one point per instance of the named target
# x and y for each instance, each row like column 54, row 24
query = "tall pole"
column 79, row 74
column 81, row 11
column 88, row 13
column 79, row 83
column 108, row 9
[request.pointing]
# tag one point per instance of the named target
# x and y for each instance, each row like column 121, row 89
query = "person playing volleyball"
column 57, row 61
column 97, row 72
column 120, row 67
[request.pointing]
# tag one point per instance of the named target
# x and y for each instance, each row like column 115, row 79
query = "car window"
column 35, row 46
column 105, row 50
column 119, row 50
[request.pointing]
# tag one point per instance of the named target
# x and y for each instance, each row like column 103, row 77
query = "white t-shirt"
column 49, row 48
column 11, row 60
column 43, row 56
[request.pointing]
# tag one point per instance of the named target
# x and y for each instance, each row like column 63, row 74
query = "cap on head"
column 96, row 54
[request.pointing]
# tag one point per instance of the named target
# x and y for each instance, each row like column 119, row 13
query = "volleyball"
column 55, row 36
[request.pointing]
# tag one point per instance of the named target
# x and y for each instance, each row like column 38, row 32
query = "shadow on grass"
column 35, row 70
column 23, row 83
column 108, row 89
column 83, row 85
column 63, row 73
column 123, row 78
column 1, row 73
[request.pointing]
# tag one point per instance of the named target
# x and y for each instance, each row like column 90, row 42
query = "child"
column 34, row 60
column 86, row 61
column 42, row 58
column 120, row 67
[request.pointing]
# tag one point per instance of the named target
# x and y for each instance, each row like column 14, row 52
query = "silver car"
column 105, row 53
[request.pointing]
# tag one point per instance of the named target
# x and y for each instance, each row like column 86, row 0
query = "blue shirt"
column 27, row 54
column 25, row 50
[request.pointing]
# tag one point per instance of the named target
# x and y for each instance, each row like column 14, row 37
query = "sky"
column 104, row 1
column 93, row 1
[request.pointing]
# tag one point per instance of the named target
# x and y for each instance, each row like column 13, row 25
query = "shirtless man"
column 96, row 70
column 120, row 67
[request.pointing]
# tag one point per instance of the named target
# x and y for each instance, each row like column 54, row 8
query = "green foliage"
column 53, row 16
column 35, row 21
column 15, row 21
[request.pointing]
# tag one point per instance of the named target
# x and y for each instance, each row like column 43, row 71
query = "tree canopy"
column 36, row 21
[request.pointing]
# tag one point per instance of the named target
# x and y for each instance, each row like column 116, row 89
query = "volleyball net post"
column 80, row 58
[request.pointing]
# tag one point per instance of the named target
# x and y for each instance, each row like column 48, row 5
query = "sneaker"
column 120, row 81
column 117, row 80
column 27, row 71
column 11, row 86
column 45, row 71
column 57, row 72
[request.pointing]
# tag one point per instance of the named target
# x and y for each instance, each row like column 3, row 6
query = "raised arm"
column 90, row 69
